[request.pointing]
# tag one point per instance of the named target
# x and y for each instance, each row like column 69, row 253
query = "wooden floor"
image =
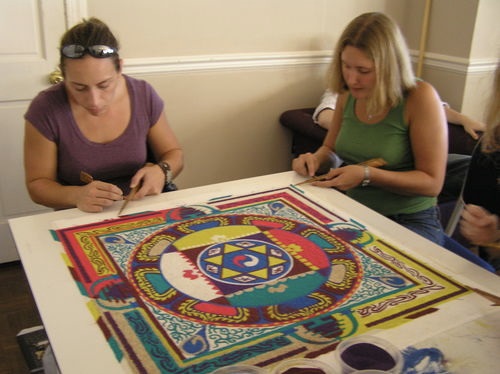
column 17, row 311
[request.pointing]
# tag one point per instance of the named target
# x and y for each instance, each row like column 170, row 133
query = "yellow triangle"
column 228, row 273
column 273, row 261
column 260, row 273
column 217, row 260
column 259, row 249
column 228, row 248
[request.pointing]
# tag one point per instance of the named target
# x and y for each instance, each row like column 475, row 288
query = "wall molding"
column 156, row 65
column 238, row 61
column 77, row 9
column 455, row 64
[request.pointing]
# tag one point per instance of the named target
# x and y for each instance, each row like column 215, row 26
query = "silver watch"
column 165, row 167
column 366, row 178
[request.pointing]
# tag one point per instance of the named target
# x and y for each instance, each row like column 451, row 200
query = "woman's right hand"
column 306, row 164
column 97, row 195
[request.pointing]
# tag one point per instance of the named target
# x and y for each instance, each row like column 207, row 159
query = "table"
column 75, row 336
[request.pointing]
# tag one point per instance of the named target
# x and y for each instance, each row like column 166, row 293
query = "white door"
column 29, row 36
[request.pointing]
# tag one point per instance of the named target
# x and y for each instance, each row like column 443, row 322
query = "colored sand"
column 364, row 356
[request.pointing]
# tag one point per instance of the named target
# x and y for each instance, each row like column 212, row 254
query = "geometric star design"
column 244, row 261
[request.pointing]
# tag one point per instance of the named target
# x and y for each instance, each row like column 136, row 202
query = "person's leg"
column 425, row 223
column 460, row 250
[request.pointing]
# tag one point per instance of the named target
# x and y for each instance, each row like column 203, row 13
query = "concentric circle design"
column 245, row 262
column 244, row 269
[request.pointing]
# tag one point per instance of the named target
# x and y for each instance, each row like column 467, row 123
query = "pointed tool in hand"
column 86, row 177
column 129, row 197
column 374, row 163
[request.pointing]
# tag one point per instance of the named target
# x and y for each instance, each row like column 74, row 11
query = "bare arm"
column 40, row 163
column 325, row 118
column 166, row 148
column 428, row 137
column 323, row 114
column 470, row 125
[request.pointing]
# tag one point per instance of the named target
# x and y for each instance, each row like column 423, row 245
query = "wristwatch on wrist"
column 366, row 179
column 165, row 167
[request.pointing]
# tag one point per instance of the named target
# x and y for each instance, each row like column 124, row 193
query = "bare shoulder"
column 422, row 99
column 423, row 91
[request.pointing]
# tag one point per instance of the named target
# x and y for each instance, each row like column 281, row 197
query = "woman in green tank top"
column 383, row 111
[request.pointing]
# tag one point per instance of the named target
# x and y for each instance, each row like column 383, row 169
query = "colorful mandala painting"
column 245, row 280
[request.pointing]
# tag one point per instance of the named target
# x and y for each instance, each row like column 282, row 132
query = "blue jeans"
column 466, row 253
column 425, row 223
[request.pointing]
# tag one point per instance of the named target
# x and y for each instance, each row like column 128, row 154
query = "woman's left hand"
column 151, row 180
column 343, row 178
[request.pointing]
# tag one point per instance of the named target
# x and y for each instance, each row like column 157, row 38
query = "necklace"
column 371, row 115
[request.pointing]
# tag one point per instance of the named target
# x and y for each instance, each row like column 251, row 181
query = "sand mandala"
column 251, row 280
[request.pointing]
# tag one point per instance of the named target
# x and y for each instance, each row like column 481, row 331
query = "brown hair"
column 380, row 38
column 87, row 33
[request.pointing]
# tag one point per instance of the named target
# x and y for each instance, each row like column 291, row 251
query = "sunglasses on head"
column 78, row 50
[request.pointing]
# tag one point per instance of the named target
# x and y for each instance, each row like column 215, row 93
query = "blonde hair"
column 380, row 38
column 491, row 137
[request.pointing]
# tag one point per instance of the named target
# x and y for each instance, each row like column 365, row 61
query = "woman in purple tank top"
column 100, row 122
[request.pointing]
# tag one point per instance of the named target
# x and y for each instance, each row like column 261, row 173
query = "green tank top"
column 388, row 139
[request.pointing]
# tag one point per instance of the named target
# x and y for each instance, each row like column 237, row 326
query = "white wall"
column 228, row 68
column 485, row 49
column 462, row 49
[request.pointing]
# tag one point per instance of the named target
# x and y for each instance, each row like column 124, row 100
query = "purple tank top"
column 115, row 162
